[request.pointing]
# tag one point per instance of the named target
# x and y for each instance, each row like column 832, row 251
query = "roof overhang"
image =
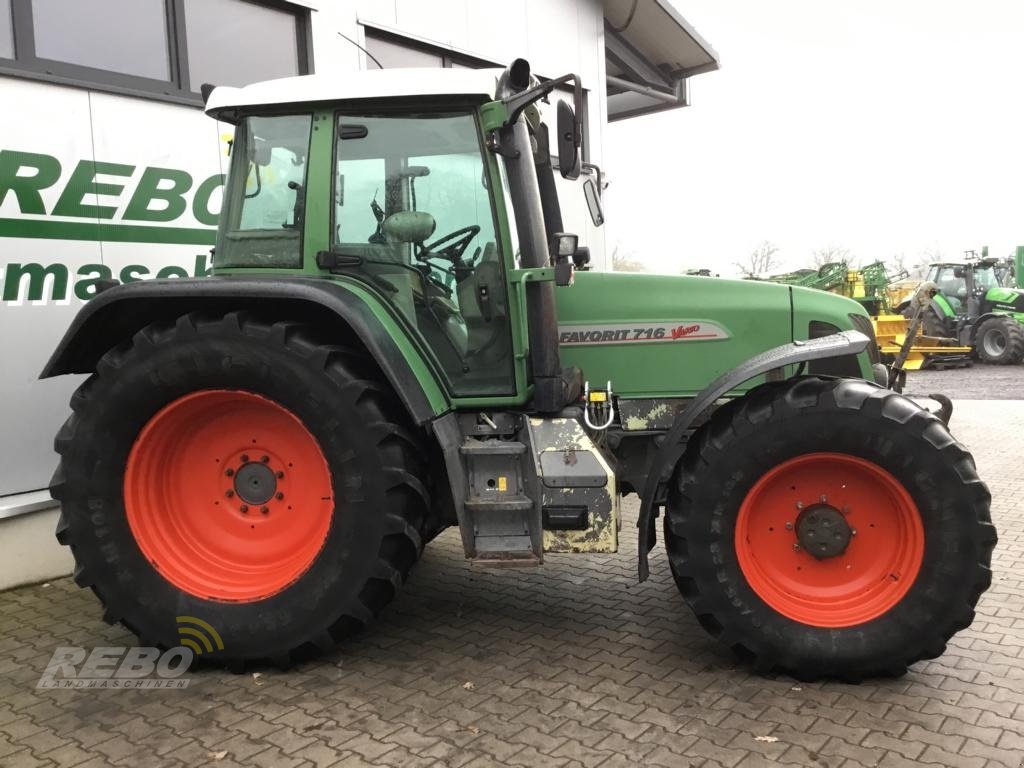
column 650, row 52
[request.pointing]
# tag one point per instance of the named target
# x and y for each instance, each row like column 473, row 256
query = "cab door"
column 413, row 203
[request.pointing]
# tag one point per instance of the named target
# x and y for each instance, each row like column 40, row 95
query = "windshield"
column 262, row 221
column 413, row 214
column 985, row 277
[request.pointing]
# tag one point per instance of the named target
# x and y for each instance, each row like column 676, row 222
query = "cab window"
column 262, row 221
column 413, row 214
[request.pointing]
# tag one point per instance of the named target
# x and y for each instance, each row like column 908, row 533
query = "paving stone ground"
column 573, row 664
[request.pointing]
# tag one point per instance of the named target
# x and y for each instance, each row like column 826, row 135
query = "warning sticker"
column 639, row 333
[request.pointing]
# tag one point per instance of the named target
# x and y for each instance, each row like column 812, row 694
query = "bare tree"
column 623, row 263
column 762, row 260
column 897, row 265
column 924, row 260
column 829, row 254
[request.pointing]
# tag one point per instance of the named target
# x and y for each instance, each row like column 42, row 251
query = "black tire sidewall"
column 119, row 406
column 733, row 461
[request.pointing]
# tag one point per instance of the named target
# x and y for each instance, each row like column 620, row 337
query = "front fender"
column 836, row 345
column 333, row 306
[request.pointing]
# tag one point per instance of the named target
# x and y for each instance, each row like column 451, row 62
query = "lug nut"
column 799, row 505
column 229, row 472
column 265, row 459
column 853, row 532
column 245, row 458
column 796, row 547
column 789, row 526
column 229, row 493
column 824, row 498
column 280, row 475
column 280, row 496
column 265, row 510
column 244, row 508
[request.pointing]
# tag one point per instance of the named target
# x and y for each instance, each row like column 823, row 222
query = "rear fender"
column 340, row 310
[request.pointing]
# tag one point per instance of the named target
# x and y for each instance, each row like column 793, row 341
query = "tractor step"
column 503, row 522
column 483, row 505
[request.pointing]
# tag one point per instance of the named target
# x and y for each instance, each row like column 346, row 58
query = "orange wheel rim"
column 228, row 495
column 801, row 506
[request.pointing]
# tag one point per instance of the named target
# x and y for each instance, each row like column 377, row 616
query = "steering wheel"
column 451, row 246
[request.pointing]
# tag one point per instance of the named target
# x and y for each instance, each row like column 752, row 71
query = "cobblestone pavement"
column 978, row 382
column 572, row 664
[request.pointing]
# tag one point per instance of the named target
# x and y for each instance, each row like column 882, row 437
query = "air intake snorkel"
column 513, row 142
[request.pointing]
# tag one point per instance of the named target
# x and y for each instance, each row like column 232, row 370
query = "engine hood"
column 670, row 335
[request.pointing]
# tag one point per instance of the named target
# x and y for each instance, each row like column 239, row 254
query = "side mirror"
column 568, row 142
column 593, row 202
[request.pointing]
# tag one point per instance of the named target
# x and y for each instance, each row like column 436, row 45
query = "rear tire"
column 141, row 537
column 906, row 581
column 1000, row 341
column 931, row 324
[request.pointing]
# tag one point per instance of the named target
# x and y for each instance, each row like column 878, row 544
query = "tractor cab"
column 960, row 281
column 426, row 193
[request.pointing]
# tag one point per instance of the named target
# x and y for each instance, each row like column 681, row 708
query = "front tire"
column 245, row 474
column 1000, row 341
column 798, row 465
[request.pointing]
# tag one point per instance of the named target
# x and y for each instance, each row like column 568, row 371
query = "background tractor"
column 974, row 308
column 395, row 341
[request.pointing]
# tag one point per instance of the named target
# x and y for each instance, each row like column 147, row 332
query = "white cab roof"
column 371, row 84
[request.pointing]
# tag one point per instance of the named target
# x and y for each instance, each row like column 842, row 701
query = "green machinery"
column 1009, row 271
column 399, row 336
column 972, row 305
column 866, row 285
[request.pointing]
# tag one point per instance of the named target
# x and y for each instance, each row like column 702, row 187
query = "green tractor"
column 399, row 337
column 972, row 306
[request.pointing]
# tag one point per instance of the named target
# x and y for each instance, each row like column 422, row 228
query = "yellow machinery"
column 891, row 332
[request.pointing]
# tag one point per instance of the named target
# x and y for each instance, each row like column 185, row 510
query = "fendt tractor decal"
column 97, row 201
column 640, row 332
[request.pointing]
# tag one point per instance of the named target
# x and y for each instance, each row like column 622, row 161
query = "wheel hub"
column 255, row 483
column 822, row 530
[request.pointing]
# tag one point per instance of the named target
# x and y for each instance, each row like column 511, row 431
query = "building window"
column 393, row 52
column 82, row 33
column 164, row 49
column 235, row 43
column 6, row 31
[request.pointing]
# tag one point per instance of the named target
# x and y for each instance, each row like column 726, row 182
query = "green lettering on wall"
column 201, row 201
column 86, row 289
column 26, row 188
column 36, row 274
column 83, row 182
column 133, row 273
column 149, row 190
column 202, row 267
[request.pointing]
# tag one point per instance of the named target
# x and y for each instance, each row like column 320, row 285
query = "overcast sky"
column 881, row 126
